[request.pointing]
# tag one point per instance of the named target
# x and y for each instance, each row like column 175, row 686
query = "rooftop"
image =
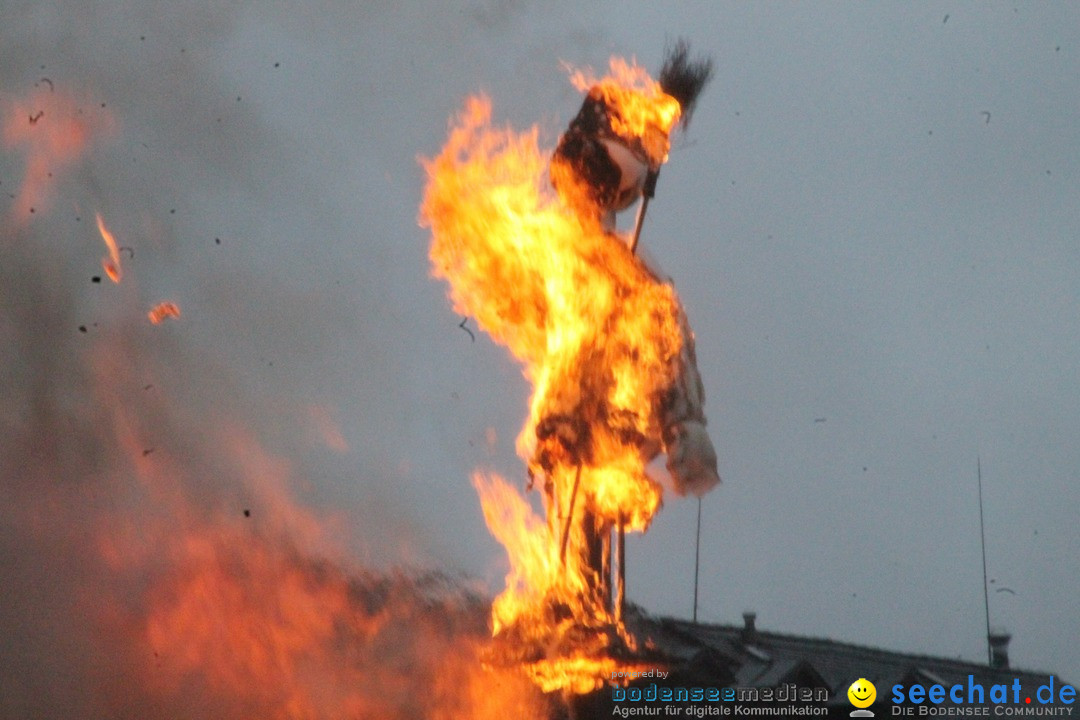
column 744, row 656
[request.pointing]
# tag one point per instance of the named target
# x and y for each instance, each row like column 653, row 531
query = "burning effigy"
column 527, row 240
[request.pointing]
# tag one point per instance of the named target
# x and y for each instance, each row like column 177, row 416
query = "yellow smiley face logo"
column 862, row 693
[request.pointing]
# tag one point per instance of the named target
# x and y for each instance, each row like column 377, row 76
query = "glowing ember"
column 605, row 345
column 163, row 310
column 111, row 262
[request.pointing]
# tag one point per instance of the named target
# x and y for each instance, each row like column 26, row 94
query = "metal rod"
column 569, row 515
column 697, row 555
column 982, row 536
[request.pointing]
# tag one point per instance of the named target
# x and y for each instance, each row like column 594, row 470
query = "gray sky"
column 872, row 223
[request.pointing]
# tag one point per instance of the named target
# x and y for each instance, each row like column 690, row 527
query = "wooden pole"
column 607, row 572
column 647, row 192
column 620, row 549
column 569, row 515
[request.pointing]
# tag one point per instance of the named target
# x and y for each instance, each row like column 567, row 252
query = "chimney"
column 999, row 648
column 749, row 631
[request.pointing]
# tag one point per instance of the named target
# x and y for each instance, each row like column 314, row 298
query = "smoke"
column 155, row 561
column 162, row 547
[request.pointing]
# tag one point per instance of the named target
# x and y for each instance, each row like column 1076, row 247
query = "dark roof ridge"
column 878, row 652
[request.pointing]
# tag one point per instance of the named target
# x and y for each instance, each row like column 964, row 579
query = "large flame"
column 598, row 336
column 155, row 562
column 183, row 565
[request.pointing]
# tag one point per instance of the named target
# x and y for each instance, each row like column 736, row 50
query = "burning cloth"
column 691, row 459
column 610, row 157
column 604, row 342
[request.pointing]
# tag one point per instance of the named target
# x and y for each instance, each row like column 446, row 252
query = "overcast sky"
column 873, row 223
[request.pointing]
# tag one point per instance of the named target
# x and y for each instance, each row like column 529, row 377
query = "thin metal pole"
column 982, row 535
column 697, row 557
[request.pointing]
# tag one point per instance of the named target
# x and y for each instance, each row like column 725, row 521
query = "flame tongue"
column 599, row 338
column 111, row 262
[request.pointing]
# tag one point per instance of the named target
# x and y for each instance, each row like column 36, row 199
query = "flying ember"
column 111, row 262
column 530, row 249
column 163, row 310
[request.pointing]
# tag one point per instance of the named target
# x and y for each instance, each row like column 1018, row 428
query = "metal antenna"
column 697, row 556
column 986, row 593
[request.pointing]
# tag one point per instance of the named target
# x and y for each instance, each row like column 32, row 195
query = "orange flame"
column 245, row 607
column 111, row 262
column 177, row 558
column 163, row 310
column 598, row 336
column 643, row 110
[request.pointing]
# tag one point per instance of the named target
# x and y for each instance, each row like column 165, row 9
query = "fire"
column 645, row 111
column 232, row 601
column 111, row 262
column 163, row 310
column 599, row 337
column 166, row 570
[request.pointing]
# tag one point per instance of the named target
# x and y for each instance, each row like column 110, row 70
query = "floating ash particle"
column 466, row 329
